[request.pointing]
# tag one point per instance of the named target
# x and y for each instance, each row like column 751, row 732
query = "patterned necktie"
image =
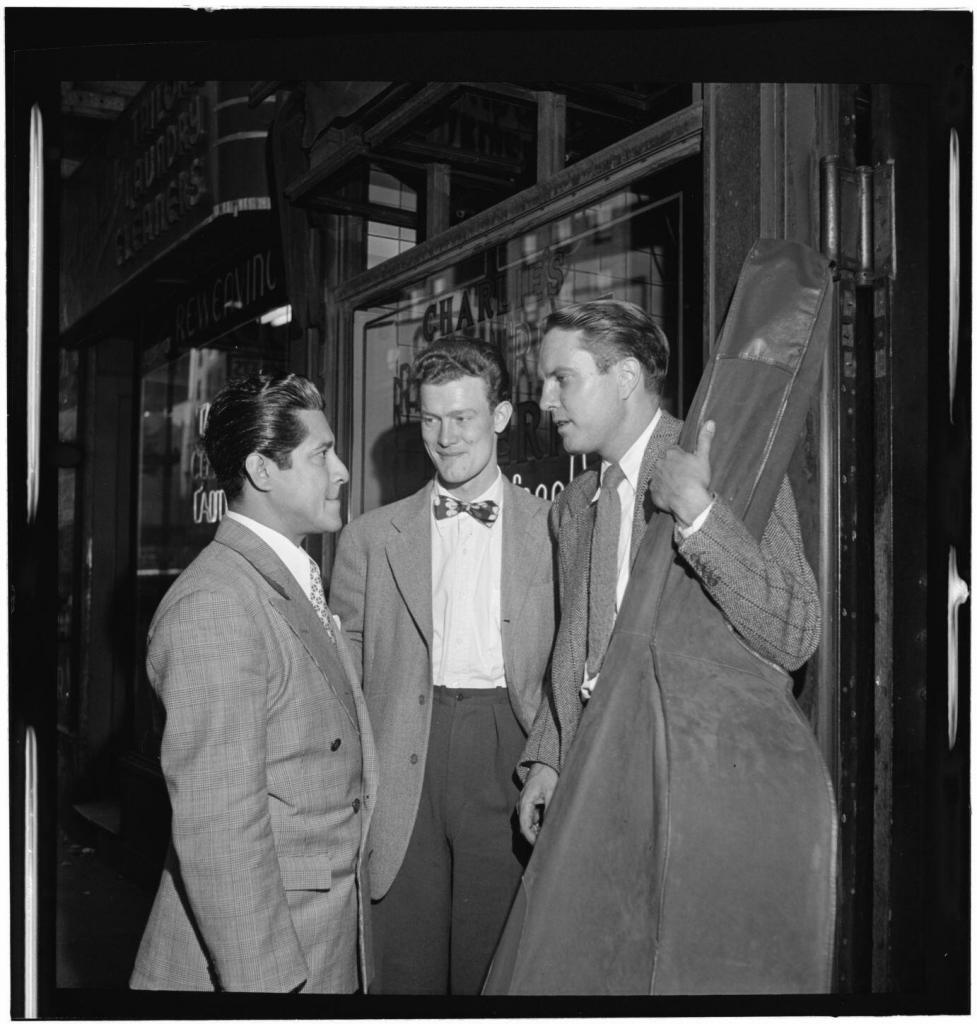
column 318, row 598
column 484, row 511
column 603, row 568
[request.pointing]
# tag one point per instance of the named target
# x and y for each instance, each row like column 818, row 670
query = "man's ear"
column 258, row 470
column 501, row 415
column 629, row 376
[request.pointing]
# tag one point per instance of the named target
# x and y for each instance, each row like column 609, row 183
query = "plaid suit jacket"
column 767, row 591
column 271, row 772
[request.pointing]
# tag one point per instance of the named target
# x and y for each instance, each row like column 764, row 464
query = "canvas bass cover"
column 690, row 845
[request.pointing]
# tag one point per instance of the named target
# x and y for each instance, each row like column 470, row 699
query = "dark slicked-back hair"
column 613, row 330
column 452, row 358
column 256, row 414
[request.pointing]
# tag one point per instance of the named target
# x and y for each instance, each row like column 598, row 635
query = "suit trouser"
column 436, row 929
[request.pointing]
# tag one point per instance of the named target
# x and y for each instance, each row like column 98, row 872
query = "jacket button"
column 413, row 759
column 356, row 806
column 422, row 699
column 335, row 744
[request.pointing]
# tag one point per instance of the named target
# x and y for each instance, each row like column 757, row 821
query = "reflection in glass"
column 67, row 528
column 69, row 368
column 179, row 500
column 68, row 395
column 634, row 245
column 180, row 503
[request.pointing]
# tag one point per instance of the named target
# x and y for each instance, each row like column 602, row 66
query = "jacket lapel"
column 662, row 437
column 294, row 607
column 409, row 557
column 576, row 530
column 367, row 743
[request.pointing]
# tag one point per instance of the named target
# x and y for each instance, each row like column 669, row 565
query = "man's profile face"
column 306, row 494
column 585, row 404
column 459, row 430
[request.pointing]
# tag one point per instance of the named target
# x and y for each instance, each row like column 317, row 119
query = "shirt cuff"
column 589, row 682
column 696, row 524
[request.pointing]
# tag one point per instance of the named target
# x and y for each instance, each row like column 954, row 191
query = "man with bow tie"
column 448, row 598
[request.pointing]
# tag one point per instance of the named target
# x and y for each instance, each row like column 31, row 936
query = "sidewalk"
column 99, row 922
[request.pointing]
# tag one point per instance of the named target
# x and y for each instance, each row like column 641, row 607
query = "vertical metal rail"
column 954, row 269
column 31, row 832
column 957, row 588
column 35, row 298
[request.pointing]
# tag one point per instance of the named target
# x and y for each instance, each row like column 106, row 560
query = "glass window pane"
column 642, row 244
column 387, row 190
column 380, row 230
column 68, row 396
column 66, row 689
column 384, row 241
column 179, row 501
column 600, row 115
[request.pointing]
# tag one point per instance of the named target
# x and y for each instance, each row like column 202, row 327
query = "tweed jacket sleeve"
column 347, row 590
column 767, row 591
column 215, row 691
column 543, row 743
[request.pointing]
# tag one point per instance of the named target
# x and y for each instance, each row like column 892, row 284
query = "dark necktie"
column 603, row 568
column 484, row 511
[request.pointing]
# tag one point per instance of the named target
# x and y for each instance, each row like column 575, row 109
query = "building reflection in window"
column 637, row 244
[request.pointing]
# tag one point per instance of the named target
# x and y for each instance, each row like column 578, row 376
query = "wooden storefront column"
column 438, row 198
column 551, row 134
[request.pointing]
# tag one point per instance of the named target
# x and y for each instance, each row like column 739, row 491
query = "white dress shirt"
column 630, row 464
column 626, row 490
column 466, row 597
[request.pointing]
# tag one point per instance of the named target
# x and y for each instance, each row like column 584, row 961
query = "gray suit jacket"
column 767, row 591
column 271, row 770
column 381, row 589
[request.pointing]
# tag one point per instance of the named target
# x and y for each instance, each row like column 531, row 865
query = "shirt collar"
column 491, row 493
column 296, row 559
column 631, row 460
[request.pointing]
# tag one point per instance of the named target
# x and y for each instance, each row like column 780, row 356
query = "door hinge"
column 858, row 219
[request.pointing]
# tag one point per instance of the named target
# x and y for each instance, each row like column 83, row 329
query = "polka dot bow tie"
column 484, row 511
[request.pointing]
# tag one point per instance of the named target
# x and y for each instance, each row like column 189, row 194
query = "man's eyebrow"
column 325, row 446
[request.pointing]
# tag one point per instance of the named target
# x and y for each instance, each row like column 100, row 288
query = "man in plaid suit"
column 267, row 751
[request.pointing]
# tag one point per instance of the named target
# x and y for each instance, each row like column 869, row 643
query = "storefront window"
column 600, row 115
column 179, row 501
column 642, row 244
column 232, row 323
column 384, row 240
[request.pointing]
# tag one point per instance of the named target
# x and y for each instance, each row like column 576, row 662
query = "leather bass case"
column 690, row 844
